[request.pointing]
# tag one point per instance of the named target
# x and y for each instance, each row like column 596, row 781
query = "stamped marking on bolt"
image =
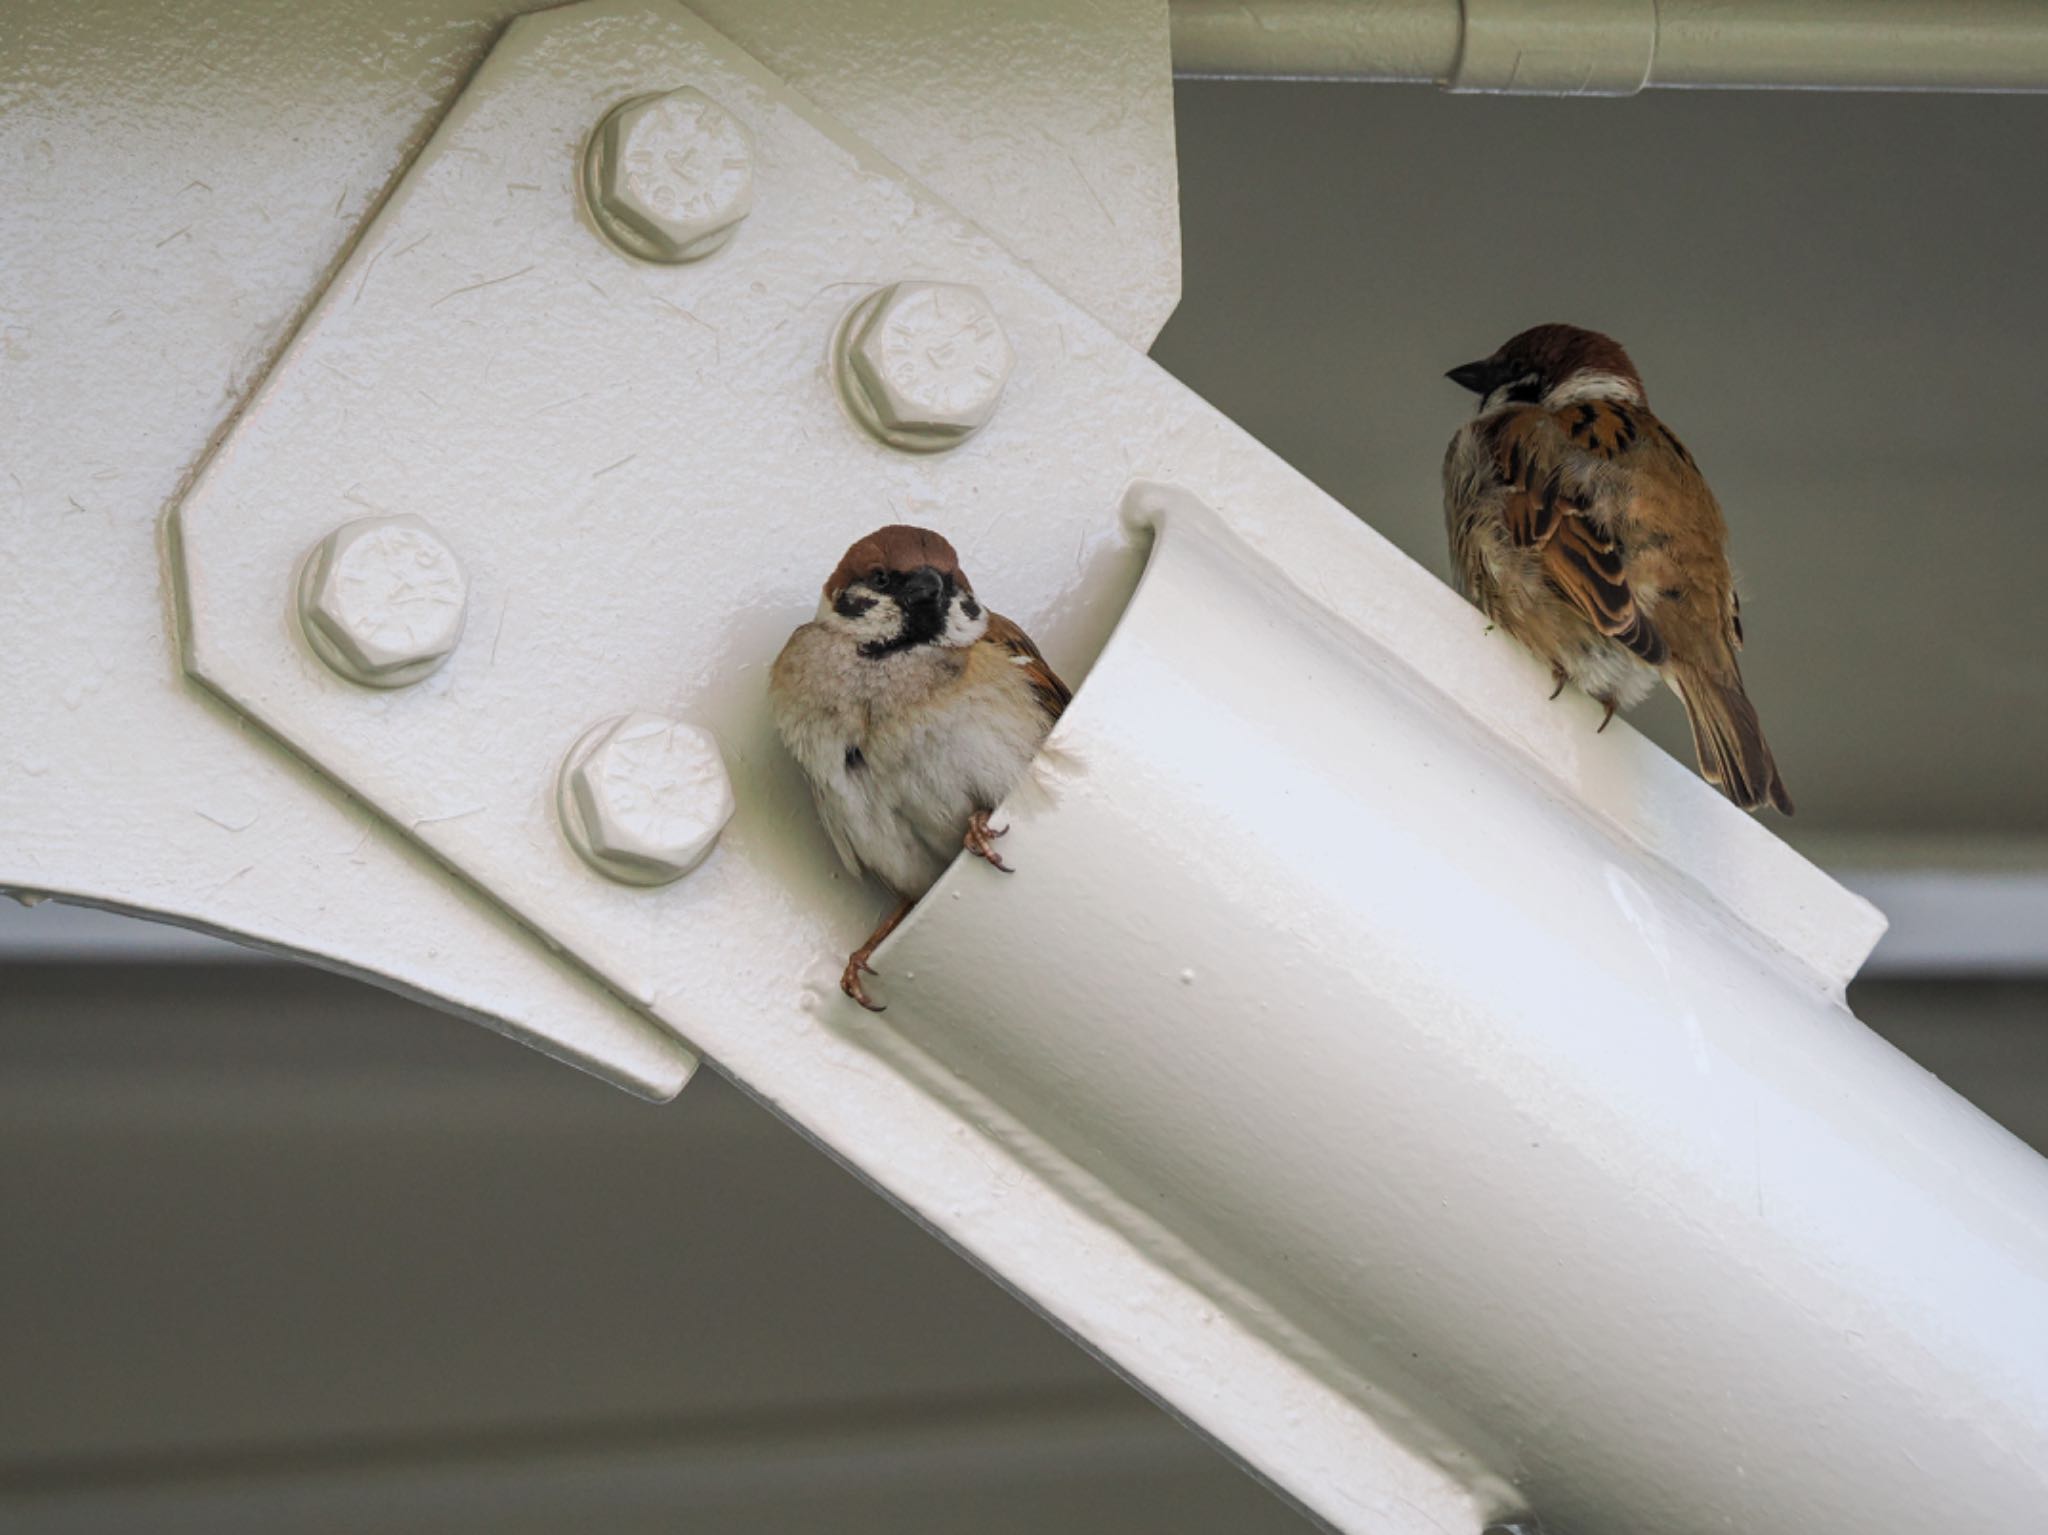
column 921, row 364
column 643, row 798
column 381, row 600
column 669, row 177
column 941, row 352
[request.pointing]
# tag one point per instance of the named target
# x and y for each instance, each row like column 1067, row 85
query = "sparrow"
column 913, row 710
column 1580, row 524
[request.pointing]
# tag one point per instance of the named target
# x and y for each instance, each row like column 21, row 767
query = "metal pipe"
column 1506, row 1131
column 1402, row 41
column 1616, row 47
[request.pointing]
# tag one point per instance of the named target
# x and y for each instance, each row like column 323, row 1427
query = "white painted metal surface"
column 1050, row 1139
column 1113, row 1205
column 735, row 943
column 642, row 799
column 139, row 293
column 381, row 600
column 533, row 408
column 139, row 296
column 669, row 176
column 1616, row 47
column 921, row 364
column 1514, row 1135
column 1049, row 124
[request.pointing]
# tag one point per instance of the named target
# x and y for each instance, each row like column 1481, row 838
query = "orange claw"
column 980, row 840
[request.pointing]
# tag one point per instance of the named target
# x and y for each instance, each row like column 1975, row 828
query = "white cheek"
column 962, row 630
column 880, row 623
column 1503, row 395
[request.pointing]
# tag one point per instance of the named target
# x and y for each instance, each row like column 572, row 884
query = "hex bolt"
column 642, row 798
column 921, row 364
column 668, row 177
column 381, row 600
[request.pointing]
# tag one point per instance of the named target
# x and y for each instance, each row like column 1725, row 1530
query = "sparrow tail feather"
column 1726, row 734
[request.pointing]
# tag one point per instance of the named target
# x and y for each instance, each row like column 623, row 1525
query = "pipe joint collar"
column 1555, row 47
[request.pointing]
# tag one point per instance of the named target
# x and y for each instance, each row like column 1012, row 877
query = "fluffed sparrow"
column 913, row 711
column 1582, row 526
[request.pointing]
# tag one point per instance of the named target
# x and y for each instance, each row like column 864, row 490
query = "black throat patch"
column 923, row 622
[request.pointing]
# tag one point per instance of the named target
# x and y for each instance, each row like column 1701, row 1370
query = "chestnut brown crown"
column 898, row 549
column 1542, row 357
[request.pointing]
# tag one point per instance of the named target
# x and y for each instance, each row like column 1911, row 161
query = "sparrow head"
column 1552, row 365
column 899, row 588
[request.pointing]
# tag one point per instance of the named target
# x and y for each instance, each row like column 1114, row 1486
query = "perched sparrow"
column 913, row 710
column 1581, row 526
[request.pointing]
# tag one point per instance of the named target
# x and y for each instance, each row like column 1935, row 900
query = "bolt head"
column 381, row 600
column 922, row 364
column 643, row 798
column 670, row 176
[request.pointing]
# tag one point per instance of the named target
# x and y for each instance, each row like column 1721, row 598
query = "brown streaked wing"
column 1524, row 459
column 1541, row 457
column 1586, row 568
column 1052, row 694
column 1673, row 514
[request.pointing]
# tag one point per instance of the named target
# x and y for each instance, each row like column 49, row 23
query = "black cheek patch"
column 969, row 606
column 847, row 605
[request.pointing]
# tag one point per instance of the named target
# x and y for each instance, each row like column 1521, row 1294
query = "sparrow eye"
column 878, row 577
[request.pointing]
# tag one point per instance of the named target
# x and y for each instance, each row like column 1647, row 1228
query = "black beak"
column 922, row 588
column 1475, row 376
